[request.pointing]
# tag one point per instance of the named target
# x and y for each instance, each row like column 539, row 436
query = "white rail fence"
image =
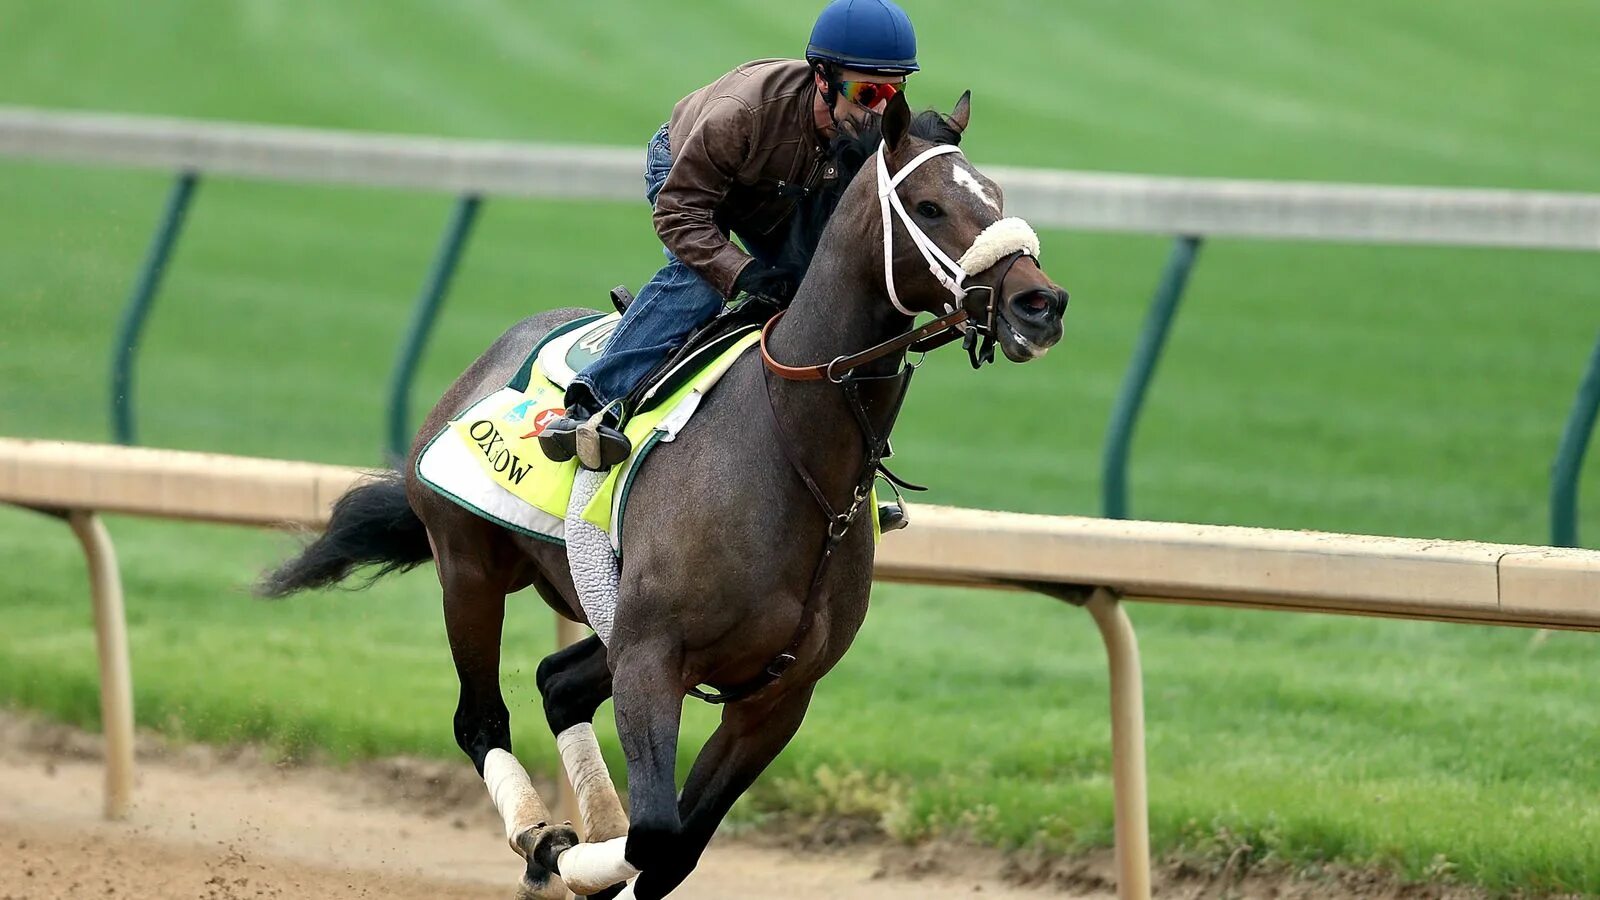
column 1093, row 562
column 1063, row 199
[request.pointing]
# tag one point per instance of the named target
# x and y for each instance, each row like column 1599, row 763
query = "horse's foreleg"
column 574, row 682
column 752, row 734
column 648, row 681
column 474, row 612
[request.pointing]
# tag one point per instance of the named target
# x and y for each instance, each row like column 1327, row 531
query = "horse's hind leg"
column 474, row 612
column 574, row 681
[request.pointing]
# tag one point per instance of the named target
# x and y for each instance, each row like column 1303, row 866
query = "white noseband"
column 999, row 240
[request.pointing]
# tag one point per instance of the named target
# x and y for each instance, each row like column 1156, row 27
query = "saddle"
column 751, row 311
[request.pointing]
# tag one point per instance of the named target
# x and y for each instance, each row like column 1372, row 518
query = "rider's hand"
column 768, row 281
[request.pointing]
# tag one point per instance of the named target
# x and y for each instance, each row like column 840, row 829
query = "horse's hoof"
column 541, row 884
column 543, row 844
column 540, row 845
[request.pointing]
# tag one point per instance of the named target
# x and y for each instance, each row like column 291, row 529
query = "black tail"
column 372, row 525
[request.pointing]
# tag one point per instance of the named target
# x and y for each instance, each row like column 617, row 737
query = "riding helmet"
column 866, row 35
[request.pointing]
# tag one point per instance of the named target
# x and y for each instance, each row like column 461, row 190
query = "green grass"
column 1394, row 390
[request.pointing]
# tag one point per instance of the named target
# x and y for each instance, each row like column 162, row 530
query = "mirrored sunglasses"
column 869, row 94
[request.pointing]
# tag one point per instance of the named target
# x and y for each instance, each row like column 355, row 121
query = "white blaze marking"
column 968, row 181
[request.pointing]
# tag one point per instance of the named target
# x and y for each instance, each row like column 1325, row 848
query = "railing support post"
column 140, row 302
column 423, row 315
column 116, row 679
column 1568, row 467
column 1141, row 369
column 1127, row 745
column 1131, row 794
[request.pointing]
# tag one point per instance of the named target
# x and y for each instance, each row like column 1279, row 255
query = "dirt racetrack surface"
column 221, row 825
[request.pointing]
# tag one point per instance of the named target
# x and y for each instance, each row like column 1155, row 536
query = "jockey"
column 729, row 162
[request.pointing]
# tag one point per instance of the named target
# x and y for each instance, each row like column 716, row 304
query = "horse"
column 741, row 568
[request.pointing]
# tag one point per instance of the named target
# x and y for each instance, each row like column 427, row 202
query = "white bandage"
column 514, row 797
column 591, row 868
column 603, row 818
column 998, row 241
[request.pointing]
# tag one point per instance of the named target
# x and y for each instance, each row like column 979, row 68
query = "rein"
column 930, row 336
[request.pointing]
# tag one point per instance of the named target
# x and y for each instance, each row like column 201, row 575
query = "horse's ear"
column 962, row 113
column 896, row 122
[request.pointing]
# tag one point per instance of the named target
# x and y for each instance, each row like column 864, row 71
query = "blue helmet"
column 866, row 35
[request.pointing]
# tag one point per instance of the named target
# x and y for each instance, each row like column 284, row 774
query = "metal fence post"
column 140, row 302
column 423, row 315
column 1568, row 466
column 111, row 639
column 1125, row 415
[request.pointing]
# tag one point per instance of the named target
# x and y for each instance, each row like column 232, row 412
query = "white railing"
column 1062, row 199
column 1092, row 562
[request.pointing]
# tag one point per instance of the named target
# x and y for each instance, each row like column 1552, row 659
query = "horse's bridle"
column 932, row 335
column 998, row 247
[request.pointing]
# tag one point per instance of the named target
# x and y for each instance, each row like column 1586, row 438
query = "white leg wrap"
column 603, row 818
column 590, row 868
column 589, row 556
column 627, row 892
column 513, row 794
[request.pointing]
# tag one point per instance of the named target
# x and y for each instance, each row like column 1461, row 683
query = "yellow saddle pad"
column 505, row 437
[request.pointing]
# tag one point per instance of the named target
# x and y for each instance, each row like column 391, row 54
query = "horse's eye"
column 929, row 210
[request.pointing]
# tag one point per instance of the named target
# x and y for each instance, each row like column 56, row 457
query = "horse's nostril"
column 1034, row 303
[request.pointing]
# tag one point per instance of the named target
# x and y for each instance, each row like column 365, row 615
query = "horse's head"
column 950, row 242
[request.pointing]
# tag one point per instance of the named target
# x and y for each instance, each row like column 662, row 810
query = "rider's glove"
column 767, row 281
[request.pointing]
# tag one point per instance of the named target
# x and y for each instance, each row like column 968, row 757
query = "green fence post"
column 140, row 302
column 1569, row 458
column 1125, row 415
column 422, row 319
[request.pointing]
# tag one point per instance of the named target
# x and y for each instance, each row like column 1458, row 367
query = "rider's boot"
column 592, row 437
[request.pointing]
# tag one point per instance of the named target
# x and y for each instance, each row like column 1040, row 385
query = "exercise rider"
column 728, row 163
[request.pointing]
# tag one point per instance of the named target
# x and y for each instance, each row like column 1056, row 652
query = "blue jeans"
column 671, row 305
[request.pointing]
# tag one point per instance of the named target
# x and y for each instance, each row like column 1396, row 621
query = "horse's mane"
column 849, row 152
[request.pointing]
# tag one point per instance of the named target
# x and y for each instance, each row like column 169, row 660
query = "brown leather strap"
column 833, row 371
column 789, row 453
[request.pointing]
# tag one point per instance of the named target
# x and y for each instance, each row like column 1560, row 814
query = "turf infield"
column 1412, row 391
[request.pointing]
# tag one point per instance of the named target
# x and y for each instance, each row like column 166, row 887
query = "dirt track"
column 211, row 828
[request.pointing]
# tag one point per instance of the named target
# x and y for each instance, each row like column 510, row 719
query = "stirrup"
column 599, row 445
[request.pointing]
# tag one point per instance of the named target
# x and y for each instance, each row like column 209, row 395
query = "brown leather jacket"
column 739, row 145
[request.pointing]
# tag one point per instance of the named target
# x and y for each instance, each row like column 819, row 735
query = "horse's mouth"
column 1016, row 346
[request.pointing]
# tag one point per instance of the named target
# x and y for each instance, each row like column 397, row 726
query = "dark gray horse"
column 721, row 582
